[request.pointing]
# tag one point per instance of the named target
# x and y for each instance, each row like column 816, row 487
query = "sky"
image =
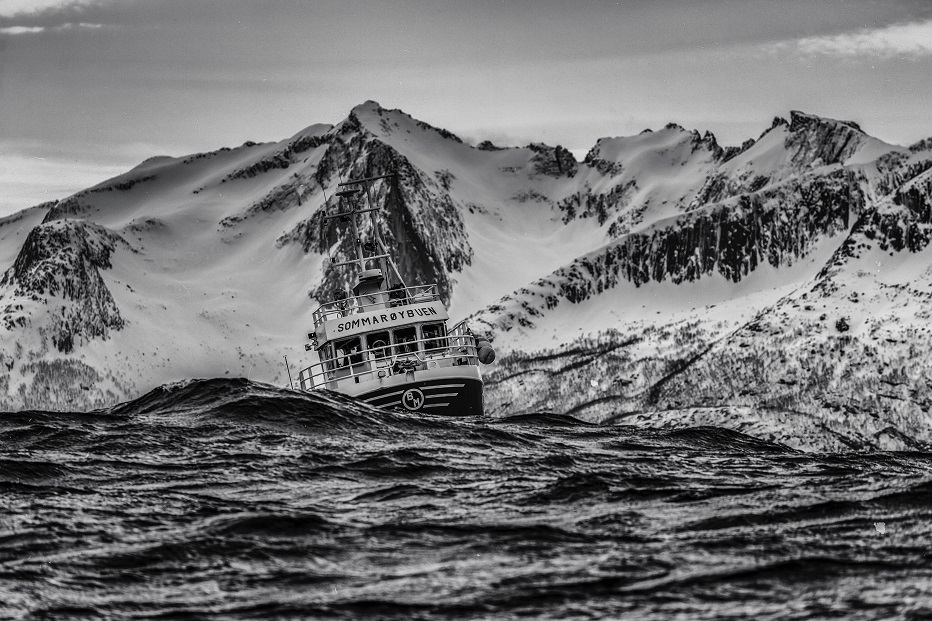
column 90, row 88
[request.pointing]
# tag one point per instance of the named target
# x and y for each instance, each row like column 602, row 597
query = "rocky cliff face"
column 421, row 223
column 59, row 268
column 813, row 141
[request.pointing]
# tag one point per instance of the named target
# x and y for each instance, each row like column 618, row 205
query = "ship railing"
column 392, row 298
column 456, row 348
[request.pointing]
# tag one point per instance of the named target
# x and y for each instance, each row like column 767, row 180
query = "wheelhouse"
column 360, row 339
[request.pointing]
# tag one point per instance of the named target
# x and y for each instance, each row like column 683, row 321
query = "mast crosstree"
column 352, row 210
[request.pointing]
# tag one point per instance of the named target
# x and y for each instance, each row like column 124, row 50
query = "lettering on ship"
column 385, row 318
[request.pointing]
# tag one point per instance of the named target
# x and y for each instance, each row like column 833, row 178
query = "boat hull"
column 455, row 391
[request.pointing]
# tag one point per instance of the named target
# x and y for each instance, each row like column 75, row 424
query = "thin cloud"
column 35, row 17
column 19, row 8
column 910, row 39
column 18, row 30
column 21, row 30
column 82, row 25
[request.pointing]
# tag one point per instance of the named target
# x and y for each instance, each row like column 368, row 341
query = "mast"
column 349, row 197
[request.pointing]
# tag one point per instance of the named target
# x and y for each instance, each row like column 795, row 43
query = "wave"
column 545, row 419
column 807, row 570
column 718, row 438
column 246, row 402
column 272, row 525
column 28, row 471
column 240, row 401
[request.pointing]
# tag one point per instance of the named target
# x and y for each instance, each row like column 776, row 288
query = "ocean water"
column 224, row 499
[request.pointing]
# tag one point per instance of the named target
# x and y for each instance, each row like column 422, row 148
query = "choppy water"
column 229, row 500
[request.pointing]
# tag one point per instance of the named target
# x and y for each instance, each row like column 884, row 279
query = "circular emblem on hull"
column 413, row 399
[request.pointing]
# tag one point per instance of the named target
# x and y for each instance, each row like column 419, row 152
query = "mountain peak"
column 383, row 122
column 370, row 105
column 800, row 120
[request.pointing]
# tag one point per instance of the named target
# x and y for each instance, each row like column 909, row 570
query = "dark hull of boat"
column 447, row 396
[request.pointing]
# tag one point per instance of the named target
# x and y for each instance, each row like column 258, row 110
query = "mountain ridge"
column 208, row 264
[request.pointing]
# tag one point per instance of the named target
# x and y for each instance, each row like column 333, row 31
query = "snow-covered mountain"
column 209, row 264
column 790, row 302
column 641, row 281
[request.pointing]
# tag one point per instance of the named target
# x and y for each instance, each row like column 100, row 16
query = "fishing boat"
column 386, row 343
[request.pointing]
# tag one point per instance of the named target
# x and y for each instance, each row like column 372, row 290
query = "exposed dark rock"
column 281, row 198
column 603, row 166
column 65, row 208
column 813, row 138
column 280, row 159
column 486, row 145
column 423, row 227
column 62, row 260
column 553, row 161
column 923, row 145
column 731, row 239
column 445, row 177
column 599, row 205
column 443, row 132
column 729, row 153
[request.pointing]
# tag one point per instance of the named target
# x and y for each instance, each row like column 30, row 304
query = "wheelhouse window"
column 377, row 343
column 326, row 356
column 405, row 340
column 348, row 352
column 434, row 337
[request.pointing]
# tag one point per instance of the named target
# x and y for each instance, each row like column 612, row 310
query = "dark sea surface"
column 224, row 499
